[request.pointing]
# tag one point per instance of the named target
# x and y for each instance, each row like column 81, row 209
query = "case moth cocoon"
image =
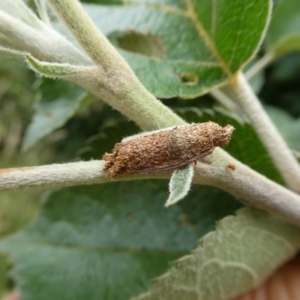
column 166, row 149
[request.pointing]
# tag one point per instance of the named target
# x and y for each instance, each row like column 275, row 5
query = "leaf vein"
column 207, row 39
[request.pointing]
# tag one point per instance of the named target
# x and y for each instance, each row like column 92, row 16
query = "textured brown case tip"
column 167, row 149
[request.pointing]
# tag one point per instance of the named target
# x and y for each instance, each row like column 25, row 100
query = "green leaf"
column 59, row 101
column 284, row 31
column 242, row 252
column 194, row 46
column 4, row 278
column 287, row 126
column 53, row 70
column 107, row 241
column 180, row 184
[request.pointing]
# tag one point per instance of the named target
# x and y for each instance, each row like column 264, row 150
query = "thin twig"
column 62, row 175
column 260, row 65
column 244, row 183
column 115, row 81
column 228, row 174
column 282, row 156
column 129, row 96
column 226, row 101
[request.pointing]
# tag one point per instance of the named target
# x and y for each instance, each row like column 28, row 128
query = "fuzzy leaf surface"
column 107, row 241
column 239, row 255
column 121, row 235
column 52, row 70
column 180, row 184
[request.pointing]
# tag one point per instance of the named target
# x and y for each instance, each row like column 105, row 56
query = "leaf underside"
column 180, row 184
column 239, row 255
column 106, row 241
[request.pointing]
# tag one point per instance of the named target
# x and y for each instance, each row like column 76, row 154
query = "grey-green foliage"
column 120, row 234
column 104, row 242
column 57, row 102
column 180, row 184
column 242, row 252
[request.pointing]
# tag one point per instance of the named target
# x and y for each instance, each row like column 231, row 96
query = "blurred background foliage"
column 94, row 124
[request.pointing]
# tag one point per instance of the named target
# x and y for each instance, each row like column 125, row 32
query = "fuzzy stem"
column 60, row 175
column 282, row 156
column 139, row 105
column 260, row 65
column 49, row 176
column 91, row 39
column 224, row 100
column 123, row 89
column 242, row 182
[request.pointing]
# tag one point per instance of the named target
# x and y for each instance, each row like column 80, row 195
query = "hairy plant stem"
column 118, row 85
column 41, row 41
column 127, row 94
column 242, row 182
column 282, row 156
